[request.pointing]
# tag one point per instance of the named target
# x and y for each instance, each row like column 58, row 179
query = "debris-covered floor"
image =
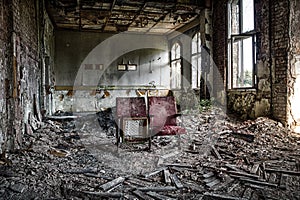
column 219, row 158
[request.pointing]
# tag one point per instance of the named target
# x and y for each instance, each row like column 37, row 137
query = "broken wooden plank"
column 254, row 186
column 103, row 194
column 254, row 168
column 213, row 183
column 167, row 176
column 154, row 172
column 238, row 173
column 92, row 195
column 157, row 189
column 264, row 170
column 215, row 152
column 141, row 195
column 283, row 181
column 209, row 174
column 211, row 196
column 158, row 196
column 112, row 183
column 194, row 187
column 176, row 181
column 259, row 182
column 272, row 178
column 210, row 179
column 293, row 173
column 180, row 165
column 232, row 167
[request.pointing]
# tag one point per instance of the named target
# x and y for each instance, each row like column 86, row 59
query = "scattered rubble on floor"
column 219, row 158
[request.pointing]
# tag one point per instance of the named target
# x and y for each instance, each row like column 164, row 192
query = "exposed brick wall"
column 280, row 48
column 20, row 72
column 272, row 42
column 219, row 35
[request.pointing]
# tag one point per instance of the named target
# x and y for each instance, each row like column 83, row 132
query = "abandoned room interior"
column 135, row 99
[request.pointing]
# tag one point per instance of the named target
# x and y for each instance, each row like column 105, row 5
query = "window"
column 196, row 61
column 176, row 66
column 241, row 44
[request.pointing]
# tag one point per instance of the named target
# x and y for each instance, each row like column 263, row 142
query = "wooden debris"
column 215, row 152
column 293, row 173
column 167, row 176
column 259, row 182
column 210, row 179
column 159, row 196
column 237, row 132
column 92, row 195
column 176, row 181
column 241, row 174
column 272, row 178
column 154, row 172
column 180, row 165
column 254, row 168
column 103, row 194
column 254, row 186
column 112, row 183
column 264, row 170
column 210, row 196
column 213, row 183
column 209, row 174
column 283, row 181
column 157, row 189
column 141, row 195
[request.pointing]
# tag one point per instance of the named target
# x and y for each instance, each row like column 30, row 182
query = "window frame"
column 198, row 55
column 176, row 60
column 239, row 36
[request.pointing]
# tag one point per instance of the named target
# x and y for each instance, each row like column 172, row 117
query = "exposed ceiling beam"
column 110, row 11
column 184, row 28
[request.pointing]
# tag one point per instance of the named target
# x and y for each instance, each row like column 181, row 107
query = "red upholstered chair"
column 163, row 114
column 132, row 119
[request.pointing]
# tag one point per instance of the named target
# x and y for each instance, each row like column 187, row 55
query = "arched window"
column 196, row 60
column 176, row 66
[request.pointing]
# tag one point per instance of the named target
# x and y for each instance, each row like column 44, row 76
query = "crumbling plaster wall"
column 5, row 51
column 20, row 72
column 294, row 67
column 89, row 60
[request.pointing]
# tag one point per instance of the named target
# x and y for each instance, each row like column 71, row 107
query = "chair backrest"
column 161, row 108
column 131, row 107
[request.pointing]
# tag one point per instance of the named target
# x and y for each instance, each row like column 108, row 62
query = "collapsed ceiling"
column 149, row 17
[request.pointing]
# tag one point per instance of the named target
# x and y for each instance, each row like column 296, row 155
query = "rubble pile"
column 219, row 158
